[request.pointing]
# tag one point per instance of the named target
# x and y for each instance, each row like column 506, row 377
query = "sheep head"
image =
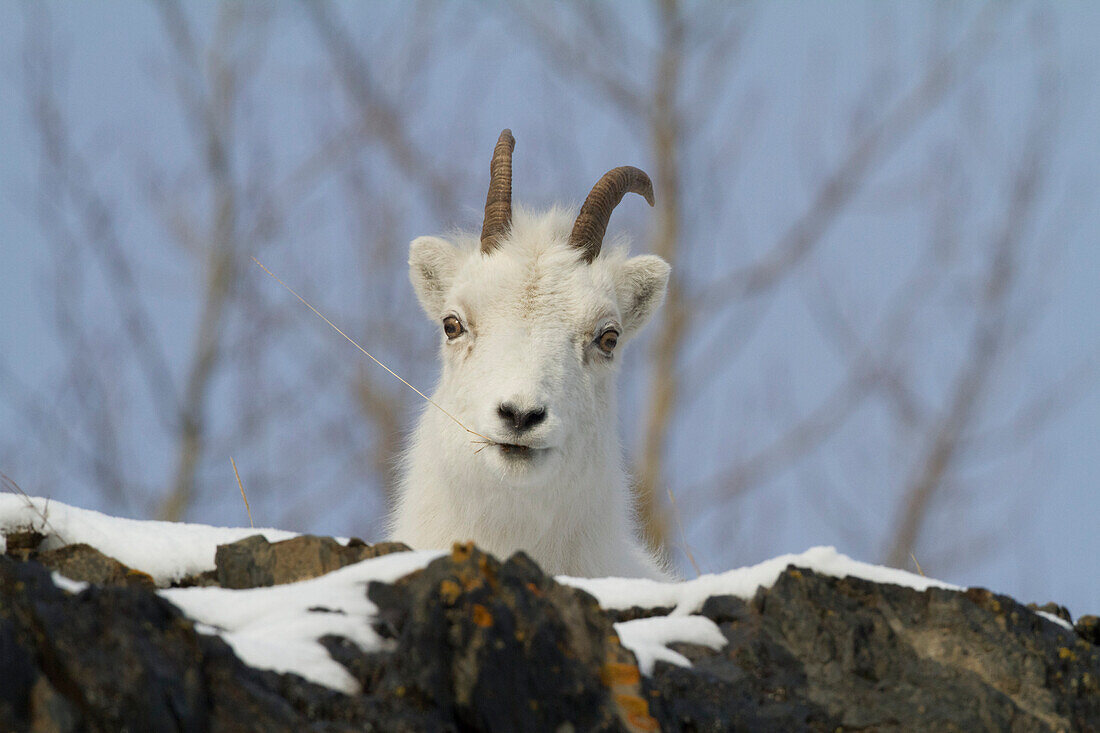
column 532, row 320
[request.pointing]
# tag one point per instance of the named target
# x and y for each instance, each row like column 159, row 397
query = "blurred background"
column 881, row 331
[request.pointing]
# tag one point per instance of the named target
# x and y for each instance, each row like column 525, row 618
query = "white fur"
column 533, row 310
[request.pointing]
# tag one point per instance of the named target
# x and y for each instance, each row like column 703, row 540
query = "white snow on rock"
column 277, row 628
column 167, row 551
column 68, row 584
column 687, row 597
column 1055, row 619
column 649, row 638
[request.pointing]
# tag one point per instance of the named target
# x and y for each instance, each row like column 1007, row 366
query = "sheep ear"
column 432, row 265
column 641, row 287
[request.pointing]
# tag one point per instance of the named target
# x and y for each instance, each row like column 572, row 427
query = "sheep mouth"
column 518, row 451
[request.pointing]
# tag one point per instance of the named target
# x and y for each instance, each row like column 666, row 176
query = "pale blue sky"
column 798, row 57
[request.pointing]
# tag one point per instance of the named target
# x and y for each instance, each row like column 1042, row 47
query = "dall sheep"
column 532, row 319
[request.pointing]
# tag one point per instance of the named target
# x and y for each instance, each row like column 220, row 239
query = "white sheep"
column 532, row 318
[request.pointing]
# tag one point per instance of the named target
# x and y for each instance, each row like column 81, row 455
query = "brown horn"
column 591, row 223
column 498, row 202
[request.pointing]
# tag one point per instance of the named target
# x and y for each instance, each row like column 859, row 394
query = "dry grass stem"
column 14, row 488
column 243, row 496
column 482, row 438
column 917, row 564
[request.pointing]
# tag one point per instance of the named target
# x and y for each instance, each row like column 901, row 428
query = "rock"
column 22, row 543
column 205, row 579
column 870, row 656
column 1088, row 628
column 755, row 683
column 722, row 609
column 491, row 646
column 1054, row 610
column 254, row 562
column 477, row 644
column 120, row 658
column 84, row 562
column 633, row 613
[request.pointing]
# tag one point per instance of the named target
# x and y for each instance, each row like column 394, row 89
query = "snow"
column 278, row 627
column 1055, row 619
column 268, row 628
column 274, row 628
column 687, row 597
column 68, row 584
column 167, row 551
column 649, row 638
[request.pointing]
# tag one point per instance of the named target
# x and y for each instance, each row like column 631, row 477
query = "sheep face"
column 531, row 336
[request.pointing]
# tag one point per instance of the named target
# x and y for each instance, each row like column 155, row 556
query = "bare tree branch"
column 847, row 179
column 72, row 176
column 664, row 385
column 987, row 344
column 380, row 114
column 213, row 105
column 581, row 58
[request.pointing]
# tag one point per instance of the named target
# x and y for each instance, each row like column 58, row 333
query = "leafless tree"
column 217, row 213
column 240, row 368
column 594, row 47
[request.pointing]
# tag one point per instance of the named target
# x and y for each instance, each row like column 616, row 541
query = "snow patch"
column 68, row 584
column 278, row 627
column 688, row 596
column 1056, row 619
column 649, row 638
column 167, row 551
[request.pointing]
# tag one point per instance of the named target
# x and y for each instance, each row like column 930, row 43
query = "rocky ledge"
column 473, row 643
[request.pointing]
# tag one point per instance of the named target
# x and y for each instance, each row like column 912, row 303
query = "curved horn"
column 591, row 223
column 498, row 202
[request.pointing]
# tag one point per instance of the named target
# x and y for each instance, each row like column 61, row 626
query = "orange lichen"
column 460, row 551
column 636, row 711
column 618, row 673
column 449, row 591
column 643, row 721
column 482, row 617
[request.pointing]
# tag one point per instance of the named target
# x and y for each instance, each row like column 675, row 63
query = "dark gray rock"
column 635, row 612
column 484, row 645
column 121, row 658
column 494, row 646
column 817, row 653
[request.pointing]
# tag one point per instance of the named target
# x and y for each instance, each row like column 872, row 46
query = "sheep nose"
column 520, row 420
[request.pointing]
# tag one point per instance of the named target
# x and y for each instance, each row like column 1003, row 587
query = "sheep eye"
column 452, row 327
column 608, row 340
